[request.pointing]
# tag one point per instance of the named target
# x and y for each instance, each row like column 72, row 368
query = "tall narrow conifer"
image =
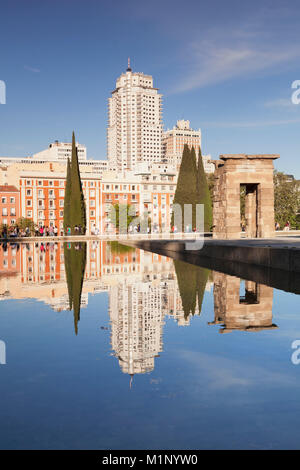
column 204, row 194
column 186, row 189
column 191, row 280
column 77, row 206
column 74, row 205
column 75, row 262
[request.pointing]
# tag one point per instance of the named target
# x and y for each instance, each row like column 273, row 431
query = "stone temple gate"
column 245, row 307
column 255, row 173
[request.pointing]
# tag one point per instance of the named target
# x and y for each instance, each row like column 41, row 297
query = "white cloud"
column 213, row 61
column 280, row 103
column 31, row 69
column 220, row 372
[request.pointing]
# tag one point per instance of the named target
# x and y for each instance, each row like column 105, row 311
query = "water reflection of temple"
column 241, row 305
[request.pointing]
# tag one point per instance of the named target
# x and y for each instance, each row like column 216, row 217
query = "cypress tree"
column 75, row 261
column 186, row 189
column 187, row 285
column 204, row 194
column 191, row 280
column 77, row 205
column 67, row 200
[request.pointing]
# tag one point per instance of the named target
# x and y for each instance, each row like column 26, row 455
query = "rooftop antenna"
column 128, row 66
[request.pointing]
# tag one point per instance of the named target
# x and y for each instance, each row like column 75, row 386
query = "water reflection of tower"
column 250, row 310
column 137, row 321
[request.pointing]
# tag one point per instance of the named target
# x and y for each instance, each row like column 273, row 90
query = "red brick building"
column 9, row 205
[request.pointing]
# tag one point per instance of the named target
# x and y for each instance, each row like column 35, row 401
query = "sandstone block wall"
column 256, row 172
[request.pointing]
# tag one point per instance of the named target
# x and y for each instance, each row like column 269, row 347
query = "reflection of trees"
column 75, row 261
column 117, row 248
column 191, row 281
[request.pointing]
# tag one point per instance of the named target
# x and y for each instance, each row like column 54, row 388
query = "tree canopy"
column 74, row 204
column 192, row 188
column 286, row 200
column 75, row 261
column 191, row 281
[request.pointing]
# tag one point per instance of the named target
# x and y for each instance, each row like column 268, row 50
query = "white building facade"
column 134, row 133
column 60, row 151
column 174, row 141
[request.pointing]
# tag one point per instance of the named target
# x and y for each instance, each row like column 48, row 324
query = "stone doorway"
column 255, row 172
column 251, row 210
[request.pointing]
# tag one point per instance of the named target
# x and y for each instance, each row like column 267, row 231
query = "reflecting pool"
column 104, row 346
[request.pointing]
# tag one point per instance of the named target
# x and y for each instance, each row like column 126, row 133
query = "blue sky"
column 226, row 66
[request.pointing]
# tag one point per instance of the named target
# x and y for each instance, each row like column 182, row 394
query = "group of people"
column 39, row 231
column 77, row 230
column 286, row 227
column 46, row 231
column 14, row 232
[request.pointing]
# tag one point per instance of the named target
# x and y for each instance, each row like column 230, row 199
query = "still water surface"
column 153, row 354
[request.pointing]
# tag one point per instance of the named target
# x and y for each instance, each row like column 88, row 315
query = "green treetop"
column 74, row 211
column 186, row 189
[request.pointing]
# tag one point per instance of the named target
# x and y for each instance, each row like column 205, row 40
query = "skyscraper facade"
column 174, row 141
column 134, row 133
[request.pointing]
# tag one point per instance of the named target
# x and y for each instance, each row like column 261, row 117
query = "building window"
column 29, row 213
column 12, row 200
column 4, row 211
column 3, row 200
column 28, row 192
column 29, row 202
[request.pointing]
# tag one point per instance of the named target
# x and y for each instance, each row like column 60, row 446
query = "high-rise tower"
column 134, row 133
